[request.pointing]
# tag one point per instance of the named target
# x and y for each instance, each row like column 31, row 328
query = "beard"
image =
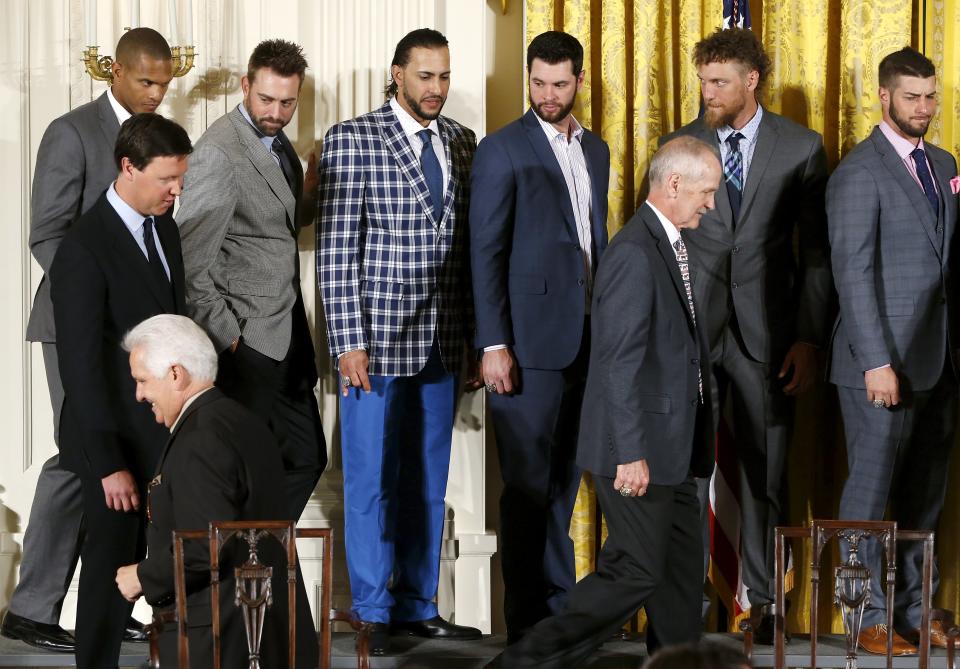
column 556, row 116
column 904, row 123
column 261, row 122
column 419, row 111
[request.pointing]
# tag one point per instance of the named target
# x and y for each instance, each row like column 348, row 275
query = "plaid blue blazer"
column 391, row 276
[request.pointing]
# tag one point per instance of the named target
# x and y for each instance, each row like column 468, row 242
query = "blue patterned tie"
column 432, row 172
column 680, row 250
column 733, row 173
column 923, row 173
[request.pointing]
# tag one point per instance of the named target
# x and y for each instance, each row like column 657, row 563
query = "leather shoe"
column 378, row 638
column 938, row 635
column 437, row 628
column 874, row 640
column 135, row 631
column 39, row 635
column 764, row 629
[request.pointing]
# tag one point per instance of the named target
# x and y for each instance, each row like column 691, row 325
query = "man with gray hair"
column 221, row 463
column 645, row 430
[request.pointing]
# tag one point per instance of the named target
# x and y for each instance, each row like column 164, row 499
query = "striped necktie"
column 733, row 173
column 680, row 249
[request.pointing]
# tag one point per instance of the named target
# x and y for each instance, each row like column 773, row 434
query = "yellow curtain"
column 641, row 84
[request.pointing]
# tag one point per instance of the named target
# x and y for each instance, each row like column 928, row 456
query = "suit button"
column 736, row 250
column 694, row 361
column 736, row 285
column 694, row 402
column 579, row 282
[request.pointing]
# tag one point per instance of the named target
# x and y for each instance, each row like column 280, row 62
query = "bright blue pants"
column 396, row 454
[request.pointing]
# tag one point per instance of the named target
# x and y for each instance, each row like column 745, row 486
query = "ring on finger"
column 879, row 403
column 490, row 387
column 346, row 381
column 626, row 491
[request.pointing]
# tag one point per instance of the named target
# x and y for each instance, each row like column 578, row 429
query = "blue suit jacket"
column 529, row 281
column 390, row 275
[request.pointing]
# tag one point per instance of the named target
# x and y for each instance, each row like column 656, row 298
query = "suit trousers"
column 536, row 430
column 898, row 456
column 396, row 456
column 281, row 394
column 51, row 543
column 762, row 428
column 113, row 539
column 651, row 559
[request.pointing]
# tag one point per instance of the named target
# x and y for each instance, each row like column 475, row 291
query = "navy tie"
column 733, row 174
column 152, row 256
column 432, row 172
column 923, row 173
column 285, row 165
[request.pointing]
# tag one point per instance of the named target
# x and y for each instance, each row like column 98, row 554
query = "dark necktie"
column 285, row 163
column 432, row 172
column 153, row 257
column 926, row 181
column 680, row 250
column 733, row 173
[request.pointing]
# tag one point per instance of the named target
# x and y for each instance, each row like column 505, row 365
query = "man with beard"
column 765, row 308
column 74, row 166
column 892, row 216
column 393, row 274
column 241, row 212
column 538, row 218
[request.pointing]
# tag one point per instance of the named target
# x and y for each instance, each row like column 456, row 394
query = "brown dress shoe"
column 874, row 640
column 938, row 635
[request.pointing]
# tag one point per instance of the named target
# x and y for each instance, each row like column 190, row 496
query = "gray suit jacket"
column 642, row 396
column 237, row 222
column 74, row 166
column 748, row 267
column 891, row 260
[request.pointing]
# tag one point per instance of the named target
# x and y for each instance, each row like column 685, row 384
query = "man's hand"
column 353, row 366
column 882, row 384
column 234, row 344
column 311, row 178
column 634, row 475
column 499, row 368
column 473, row 380
column 803, row 358
column 120, row 491
column 128, row 583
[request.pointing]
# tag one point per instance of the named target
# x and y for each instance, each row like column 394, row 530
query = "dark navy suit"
column 530, row 287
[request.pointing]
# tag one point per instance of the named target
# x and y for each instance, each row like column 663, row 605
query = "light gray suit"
column 74, row 166
column 238, row 222
column 891, row 260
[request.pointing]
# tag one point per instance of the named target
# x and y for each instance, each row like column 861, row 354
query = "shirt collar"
column 118, row 109
column 553, row 133
column 749, row 131
column 130, row 216
column 183, row 409
column 264, row 139
column 903, row 146
column 672, row 233
column 409, row 124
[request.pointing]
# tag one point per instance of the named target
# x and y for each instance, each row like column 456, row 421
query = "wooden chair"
column 254, row 591
column 821, row 532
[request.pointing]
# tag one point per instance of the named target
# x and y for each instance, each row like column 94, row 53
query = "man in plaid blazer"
column 393, row 276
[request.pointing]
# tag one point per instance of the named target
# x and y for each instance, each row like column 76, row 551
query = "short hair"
column 423, row 38
column 167, row 340
column 739, row 45
column 683, row 155
column 283, row 57
column 142, row 42
column 555, row 47
column 906, row 62
column 698, row 656
column 143, row 137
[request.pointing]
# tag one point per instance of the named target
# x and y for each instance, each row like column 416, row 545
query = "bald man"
column 75, row 165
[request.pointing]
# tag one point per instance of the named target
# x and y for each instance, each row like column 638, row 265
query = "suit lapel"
column 264, row 163
column 170, row 240
column 894, row 164
column 766, row 145
column 409, row 164
column 722, row 200
column 669, row 259
column 129, row 249
column 206, row 398
column 541, row 147
column 448, row 195
column 948, row 201
column 108, row 120
column 595, row 166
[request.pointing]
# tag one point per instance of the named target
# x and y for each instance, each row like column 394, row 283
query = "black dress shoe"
column 39, row 635
column 378, row 635
column 437, row 628
column 135, row 631
column 765, row 631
